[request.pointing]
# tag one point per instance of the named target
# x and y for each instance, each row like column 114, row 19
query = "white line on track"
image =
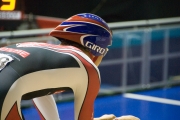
column 152, row 99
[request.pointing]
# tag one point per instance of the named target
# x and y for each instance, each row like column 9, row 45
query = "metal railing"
column 123, row 31
column 145, row 58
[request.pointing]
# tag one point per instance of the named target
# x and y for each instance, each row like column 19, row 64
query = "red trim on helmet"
column 67, row 35
column 79, row 18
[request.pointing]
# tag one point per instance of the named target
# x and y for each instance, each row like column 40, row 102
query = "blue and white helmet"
column 87, row 29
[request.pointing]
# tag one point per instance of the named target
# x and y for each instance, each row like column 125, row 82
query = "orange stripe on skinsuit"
column 41, row 116
column 13, row 113
column 87, row 111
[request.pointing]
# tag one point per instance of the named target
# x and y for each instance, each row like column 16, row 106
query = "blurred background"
column 109, row 10
column 143, row 60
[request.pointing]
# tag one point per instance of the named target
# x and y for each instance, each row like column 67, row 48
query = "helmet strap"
column 93, row 58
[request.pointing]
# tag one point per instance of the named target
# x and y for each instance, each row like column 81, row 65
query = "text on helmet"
column 95, row 47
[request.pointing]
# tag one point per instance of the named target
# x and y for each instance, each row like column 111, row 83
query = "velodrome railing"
column 115, row 25
column 139, row 56
column 142, row 56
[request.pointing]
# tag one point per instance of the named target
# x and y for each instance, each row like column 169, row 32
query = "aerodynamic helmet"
column 87, row 29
